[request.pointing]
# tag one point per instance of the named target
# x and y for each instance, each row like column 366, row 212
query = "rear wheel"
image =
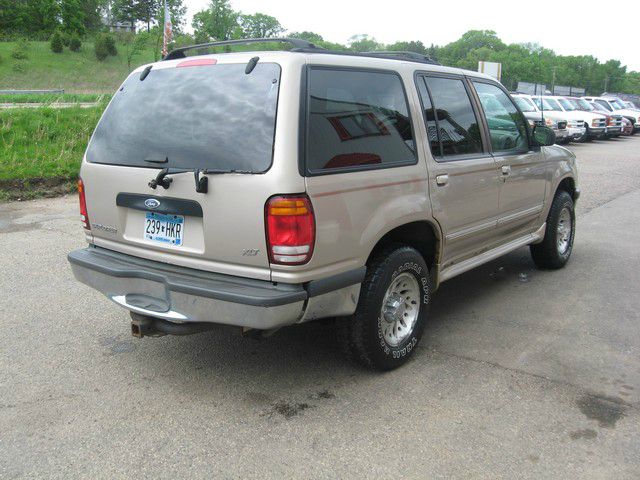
column 392, row 310
column 554, row 251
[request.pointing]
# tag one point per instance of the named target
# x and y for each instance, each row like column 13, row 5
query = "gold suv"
column 270, row 188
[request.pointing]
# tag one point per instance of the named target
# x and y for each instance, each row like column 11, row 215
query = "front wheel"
column 554, row 251
column 392, row 310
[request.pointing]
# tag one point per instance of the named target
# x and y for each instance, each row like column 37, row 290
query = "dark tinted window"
column 213, row 116
column 430, row 118
column 507, row 127
column 457, row 123
column 357, row 119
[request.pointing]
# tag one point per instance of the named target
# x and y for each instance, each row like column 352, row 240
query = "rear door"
column 204, row 117
column 463, row 179
column 522, row 168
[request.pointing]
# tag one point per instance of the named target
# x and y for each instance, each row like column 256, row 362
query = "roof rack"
column 303, row 46
column 402, row 55
column 294, row 42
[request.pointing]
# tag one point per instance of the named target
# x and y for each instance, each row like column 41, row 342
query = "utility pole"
column 606, row 83
column 553, row 81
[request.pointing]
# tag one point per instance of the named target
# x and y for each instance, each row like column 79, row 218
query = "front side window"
column 458, row 128
column 507, row 127
column 357, row 119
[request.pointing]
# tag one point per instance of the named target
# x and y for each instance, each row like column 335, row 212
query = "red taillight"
column 84, row 216
column 291, row 229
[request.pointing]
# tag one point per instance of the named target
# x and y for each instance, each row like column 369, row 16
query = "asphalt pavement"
column 520, row 374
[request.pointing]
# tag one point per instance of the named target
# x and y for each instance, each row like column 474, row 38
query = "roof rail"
column 402, row 55
column 294, row 42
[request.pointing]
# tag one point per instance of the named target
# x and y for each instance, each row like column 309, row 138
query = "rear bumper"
column 182, row 295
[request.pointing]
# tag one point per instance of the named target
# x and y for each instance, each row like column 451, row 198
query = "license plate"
column 162, row 228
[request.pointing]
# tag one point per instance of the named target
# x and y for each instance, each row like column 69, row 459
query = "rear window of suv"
column 205, row 117
column 356, row 120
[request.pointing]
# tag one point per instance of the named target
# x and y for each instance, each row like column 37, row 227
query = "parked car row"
column 580, row 119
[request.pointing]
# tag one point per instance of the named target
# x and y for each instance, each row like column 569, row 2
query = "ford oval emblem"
column 151, row 203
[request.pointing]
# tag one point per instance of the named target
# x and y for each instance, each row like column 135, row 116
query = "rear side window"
column 356, row 120
column 205, row 117
column 458, row 127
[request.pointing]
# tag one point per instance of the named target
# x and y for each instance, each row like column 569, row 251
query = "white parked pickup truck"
column 577, row 130
column 535, row 117
column 615, row 106
column 594, row 123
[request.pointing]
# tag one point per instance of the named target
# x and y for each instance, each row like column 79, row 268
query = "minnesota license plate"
column 162, row 228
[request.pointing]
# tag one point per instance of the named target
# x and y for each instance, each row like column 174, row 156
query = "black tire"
column 362, row 336
column 551, row 253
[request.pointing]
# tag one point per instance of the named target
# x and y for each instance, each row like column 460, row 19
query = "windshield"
column 604, row 104
column 205, row 117
column 524, row 104
column 583, row 104
column 618, row 104
column 547, row 104
column 599, row 108
column 566, row 104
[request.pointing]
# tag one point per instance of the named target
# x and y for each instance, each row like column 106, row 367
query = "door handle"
column 442, row 180
column 506, row 169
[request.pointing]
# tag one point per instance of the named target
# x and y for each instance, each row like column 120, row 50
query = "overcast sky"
column 580, row 30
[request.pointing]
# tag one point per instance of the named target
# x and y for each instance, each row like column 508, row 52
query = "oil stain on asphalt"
column 605, row 411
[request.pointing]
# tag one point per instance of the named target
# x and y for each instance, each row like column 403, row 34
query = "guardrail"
column 28, row 92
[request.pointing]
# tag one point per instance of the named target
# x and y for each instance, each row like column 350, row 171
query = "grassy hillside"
column 44, row 142
column 76, row 72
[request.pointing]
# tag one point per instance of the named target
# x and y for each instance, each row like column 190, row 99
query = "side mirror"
column 543, row 136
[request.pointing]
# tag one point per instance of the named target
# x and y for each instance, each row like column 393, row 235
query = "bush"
column 19, row 67
column 56, row 43
column 20, row 50
column 66, row 38
column 75, row 43
column 101, row 48
column 111, row 44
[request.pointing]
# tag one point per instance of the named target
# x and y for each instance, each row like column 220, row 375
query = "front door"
column 522, row 168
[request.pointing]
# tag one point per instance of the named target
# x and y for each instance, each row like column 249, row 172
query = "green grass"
column 54, row 98
column 44, row 142
column 75, row 72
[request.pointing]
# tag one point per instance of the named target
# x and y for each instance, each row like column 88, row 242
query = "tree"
column 72, row 17
column 149, row 12
column 412, row 46
column 218, row 22
column 308, row 36
column 259, row 25
column 134, row 45
column 101, row 49
column 75, row 43
column 363, row 43
column 55, row 43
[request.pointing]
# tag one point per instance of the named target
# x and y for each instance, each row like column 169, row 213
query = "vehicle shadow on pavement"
column 304, row 362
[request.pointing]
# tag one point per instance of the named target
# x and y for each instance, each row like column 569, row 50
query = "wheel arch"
column 422, row 235
column 568, row 184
